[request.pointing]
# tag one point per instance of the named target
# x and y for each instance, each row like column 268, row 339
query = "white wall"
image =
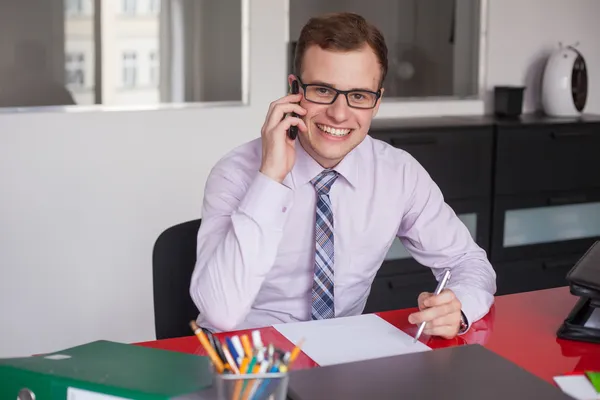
column 522, row 35
column 85, row 194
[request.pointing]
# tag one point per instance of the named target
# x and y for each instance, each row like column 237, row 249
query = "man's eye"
column 358, row 96
column 323, row 91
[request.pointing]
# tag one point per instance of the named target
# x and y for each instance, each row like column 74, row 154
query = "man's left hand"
column 442, row 314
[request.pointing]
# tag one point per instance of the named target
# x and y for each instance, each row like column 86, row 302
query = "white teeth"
column 334, row 131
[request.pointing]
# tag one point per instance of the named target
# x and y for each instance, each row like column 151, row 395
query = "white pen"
column 441, row 285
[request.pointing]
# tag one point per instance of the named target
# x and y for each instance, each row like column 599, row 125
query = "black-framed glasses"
column 324, row 94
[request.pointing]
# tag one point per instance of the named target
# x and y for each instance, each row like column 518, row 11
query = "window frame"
column 273, row 78
column 398, row 107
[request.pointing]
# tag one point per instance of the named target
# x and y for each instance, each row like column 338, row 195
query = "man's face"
column 335, row 129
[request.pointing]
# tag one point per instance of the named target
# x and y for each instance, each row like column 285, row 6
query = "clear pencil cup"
column 269, row 386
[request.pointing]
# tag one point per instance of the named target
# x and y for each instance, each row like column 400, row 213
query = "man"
column 294, row 230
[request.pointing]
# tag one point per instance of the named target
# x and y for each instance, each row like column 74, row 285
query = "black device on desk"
column 293, row 131
column 583, row 322
column 461, row 372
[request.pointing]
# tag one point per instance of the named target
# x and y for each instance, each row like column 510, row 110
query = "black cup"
column 508, row 101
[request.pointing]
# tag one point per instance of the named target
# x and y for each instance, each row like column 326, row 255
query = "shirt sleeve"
column 242, row 226
column 435, row 236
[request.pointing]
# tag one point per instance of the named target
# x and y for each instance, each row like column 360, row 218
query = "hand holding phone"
column 284, row 121
column 293, row 131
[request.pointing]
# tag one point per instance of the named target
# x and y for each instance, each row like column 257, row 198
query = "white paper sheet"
column 81, row 394
column 577, row 386
column 347, row 339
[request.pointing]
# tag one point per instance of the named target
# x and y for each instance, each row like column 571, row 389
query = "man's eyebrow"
column 333, row 86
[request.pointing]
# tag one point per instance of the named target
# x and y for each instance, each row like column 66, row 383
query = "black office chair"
column 173, row 260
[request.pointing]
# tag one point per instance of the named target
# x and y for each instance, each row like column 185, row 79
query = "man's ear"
column 291, row 78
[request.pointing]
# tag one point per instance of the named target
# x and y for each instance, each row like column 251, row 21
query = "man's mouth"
column 337, row 132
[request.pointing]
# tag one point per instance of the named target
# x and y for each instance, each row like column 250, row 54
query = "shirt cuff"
column 267, row 202
column 468, row 307
column 467, row 324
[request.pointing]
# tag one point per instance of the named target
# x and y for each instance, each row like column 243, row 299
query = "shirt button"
column 284, row 209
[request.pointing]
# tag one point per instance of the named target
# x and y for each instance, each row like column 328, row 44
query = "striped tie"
column 322, row 290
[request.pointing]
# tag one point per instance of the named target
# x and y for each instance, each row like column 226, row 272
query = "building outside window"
column 75, row 69
column 74, row 7
column 129, row 7
column 153, row 6
column 129, row 69
column 154, row 77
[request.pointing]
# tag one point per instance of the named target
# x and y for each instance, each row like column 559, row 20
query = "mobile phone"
column 293, row 131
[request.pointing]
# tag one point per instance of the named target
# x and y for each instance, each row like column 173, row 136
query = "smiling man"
column 294, row 230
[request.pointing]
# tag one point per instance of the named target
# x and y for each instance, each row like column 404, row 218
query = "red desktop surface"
column 520, row 327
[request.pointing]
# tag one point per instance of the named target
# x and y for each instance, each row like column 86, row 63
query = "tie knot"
column 324, row 180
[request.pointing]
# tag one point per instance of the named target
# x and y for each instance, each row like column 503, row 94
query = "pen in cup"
column 441, row 285
column 212, row 353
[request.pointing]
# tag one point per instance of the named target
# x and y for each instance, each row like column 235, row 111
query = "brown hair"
column 343, row 32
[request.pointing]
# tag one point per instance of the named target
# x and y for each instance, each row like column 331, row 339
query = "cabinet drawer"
column 544, row 225
column 459, row 161
column 547, row 158
column 534, row 274
column 399, row 291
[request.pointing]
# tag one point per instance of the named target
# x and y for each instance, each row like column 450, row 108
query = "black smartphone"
column 293, row 131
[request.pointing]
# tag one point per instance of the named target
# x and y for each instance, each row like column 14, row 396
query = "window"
column 153, row 62
column 168, row 51
column 129, row 69
column 75, row 70
column 129, row 7
column 433, row 45
column 153, row 6
column 74, row 7
column 527, row 226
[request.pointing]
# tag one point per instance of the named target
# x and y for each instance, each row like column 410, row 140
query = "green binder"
column 594, row 377
column 101, row 369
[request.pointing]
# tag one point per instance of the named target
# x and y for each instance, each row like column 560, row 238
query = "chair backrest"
column 173, row 260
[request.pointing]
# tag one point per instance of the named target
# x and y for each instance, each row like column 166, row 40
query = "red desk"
column 520, row 327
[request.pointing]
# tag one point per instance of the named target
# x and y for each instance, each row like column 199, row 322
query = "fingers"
column 421, row 299
column 438, row 321
column 440, row 312
column 444, row 320
column 279, row 111
column 292, row 121
column 446, row 296
column 278, row 149
column 434, row 306
column 432, row 313
column 289, row 99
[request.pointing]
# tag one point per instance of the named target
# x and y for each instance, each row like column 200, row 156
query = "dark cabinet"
column 458, row 158
column 546, row 203
column 527, row 189
column 533, row 274
column 548, row 224
column 540, row 157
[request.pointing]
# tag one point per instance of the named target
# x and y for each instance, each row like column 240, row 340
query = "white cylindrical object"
column 557, row 86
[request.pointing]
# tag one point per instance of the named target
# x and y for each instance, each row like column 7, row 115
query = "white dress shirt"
column 256, row 245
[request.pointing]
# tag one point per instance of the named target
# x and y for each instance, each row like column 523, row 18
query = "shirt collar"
column 306, row 168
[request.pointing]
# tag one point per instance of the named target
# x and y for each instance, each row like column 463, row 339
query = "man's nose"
column 338, row 111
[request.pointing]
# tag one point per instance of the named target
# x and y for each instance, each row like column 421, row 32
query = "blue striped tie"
column 322, row 290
